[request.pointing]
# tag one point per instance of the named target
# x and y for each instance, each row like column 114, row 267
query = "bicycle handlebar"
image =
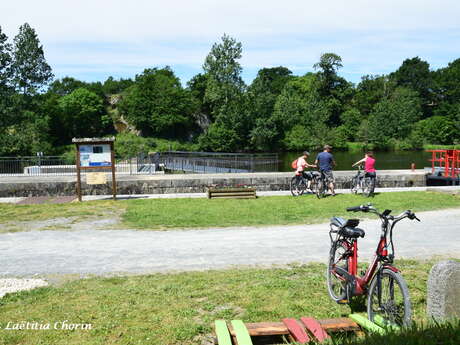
column 366, row 208
column 356, row 208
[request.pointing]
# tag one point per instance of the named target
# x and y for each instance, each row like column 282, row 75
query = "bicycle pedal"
column 343, row 301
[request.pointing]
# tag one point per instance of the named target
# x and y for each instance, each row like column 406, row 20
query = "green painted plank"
column 222, row 333
column 380, row 321
column 241, row 332
column 365, row 323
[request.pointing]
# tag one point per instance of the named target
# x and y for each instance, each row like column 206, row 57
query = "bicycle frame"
column 381, row 258
column 380, row 253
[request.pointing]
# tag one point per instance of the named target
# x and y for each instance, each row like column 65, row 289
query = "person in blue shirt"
column 325, row 162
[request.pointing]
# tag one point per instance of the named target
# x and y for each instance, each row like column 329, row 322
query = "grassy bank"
column 279, row 210
column 202, row 213
column 168, row 309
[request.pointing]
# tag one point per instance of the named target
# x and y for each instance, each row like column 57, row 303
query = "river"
column 384, row 160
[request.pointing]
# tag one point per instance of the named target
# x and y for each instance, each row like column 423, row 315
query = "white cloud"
column 371, row 36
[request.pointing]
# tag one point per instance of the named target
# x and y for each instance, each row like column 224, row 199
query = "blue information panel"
column 96, row 155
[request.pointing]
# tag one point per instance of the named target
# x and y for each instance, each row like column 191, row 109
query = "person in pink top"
column 369, row 167
column 301, row 165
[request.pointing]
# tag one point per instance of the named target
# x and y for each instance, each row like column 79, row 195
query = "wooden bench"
column 237, row 193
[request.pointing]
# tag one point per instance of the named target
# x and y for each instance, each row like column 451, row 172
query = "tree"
column 30, row 69
column 197, row 87
column 224, row 74
column 225, row 93
column 370, row 91
column 65, row 86
column 300, row 106
column 436, row 130
column 112, row 86
column 6, row 93
column 262, row 93
column 394, row 117
column 328, row 66
column 83, row 115
column 335, row 90
column 157, row 105
column 414, row 74
column 447, row 90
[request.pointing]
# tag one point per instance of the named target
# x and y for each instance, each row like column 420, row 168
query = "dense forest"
column 216, row 111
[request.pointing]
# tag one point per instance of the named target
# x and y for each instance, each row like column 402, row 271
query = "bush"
column 436, row 130
column 130, row 145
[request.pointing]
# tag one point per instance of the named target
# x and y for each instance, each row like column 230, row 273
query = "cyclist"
column 301, row 165
column 369, row 168
column 326, row 161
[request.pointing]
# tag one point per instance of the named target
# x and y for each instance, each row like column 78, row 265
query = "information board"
column 96, row 155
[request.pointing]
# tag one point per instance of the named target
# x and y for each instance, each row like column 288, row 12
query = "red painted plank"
column 315, row 328
column 296, row 330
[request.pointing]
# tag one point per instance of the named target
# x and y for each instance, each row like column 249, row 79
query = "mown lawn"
column 158, row 214
column 275, row 210
column 166, row 309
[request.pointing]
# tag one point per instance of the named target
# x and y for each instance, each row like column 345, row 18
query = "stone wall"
column 186, row 183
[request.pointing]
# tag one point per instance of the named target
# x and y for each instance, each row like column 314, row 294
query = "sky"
column 93, row 39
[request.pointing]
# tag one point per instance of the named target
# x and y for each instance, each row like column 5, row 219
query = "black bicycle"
column 360, row 182
column 320, row 185
column 298, row 185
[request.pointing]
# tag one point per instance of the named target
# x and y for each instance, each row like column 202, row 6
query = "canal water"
column 385, row 160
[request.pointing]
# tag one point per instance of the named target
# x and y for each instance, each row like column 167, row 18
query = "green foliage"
column 394, row 118
column 415, row 74
column 219, row 138
column 30, row 69
column 262, row 93
column 223, row 71
column 129, row 145
column 112, row 86
column 157, row 104
column 82, row 115
column 436, row 130
column 299, row 105
column 351, row 119
column 370, row 91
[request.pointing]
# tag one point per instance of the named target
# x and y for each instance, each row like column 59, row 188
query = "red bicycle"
column 386, row 289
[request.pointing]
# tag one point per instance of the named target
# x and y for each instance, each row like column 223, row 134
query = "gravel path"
column 103, row 252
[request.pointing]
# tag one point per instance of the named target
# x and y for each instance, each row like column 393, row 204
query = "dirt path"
column 103, row 252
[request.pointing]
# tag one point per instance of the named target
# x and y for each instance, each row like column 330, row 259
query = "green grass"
column 276, row 210
column 186, row 213
column 25, row 213
column 169, row 309
column 440, row 147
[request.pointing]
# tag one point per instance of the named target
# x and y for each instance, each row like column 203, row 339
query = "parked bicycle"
column 320, row 187
column 299, row 183
column 360, row 182
column 386, row 289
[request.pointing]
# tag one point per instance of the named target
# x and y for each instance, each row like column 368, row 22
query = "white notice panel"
column 96, row 155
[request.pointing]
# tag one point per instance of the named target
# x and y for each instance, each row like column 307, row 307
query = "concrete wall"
column 186, row 183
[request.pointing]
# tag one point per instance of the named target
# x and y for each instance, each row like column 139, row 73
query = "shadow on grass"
column 431, row 334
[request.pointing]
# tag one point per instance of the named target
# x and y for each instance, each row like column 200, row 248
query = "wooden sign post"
column 94, row 154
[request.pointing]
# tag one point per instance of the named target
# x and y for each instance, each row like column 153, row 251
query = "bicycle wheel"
column 367, row 186
column 395, row 306
column 354, row 185
column 295, row 186
column 336, row 285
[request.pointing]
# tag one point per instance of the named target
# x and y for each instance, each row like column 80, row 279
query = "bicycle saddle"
column 348, row 228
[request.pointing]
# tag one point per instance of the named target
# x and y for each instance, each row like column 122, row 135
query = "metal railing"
column 208, row 162
column 59, row 166
column 188, row 162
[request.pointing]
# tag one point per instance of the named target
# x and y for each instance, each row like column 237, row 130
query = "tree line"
column 216, row 111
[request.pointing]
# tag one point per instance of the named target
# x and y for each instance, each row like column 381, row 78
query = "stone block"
column 443, row 292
